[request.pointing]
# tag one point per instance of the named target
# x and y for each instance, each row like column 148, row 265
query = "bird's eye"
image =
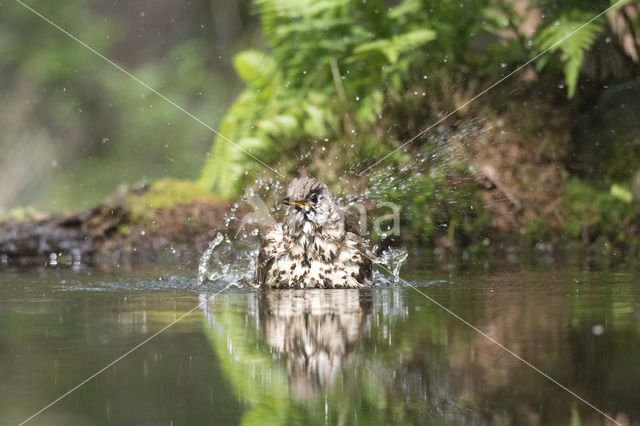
column 314, row 198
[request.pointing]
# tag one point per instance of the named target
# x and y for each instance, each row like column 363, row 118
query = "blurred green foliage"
column 364, row 76
column 77, row 127
column 332, row 68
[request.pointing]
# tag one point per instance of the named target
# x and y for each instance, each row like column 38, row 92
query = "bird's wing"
column 365, row 272
column 264, row 263
column 362, row 246
column 266, row 257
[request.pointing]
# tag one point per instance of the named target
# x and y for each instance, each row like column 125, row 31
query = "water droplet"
column 141, row 13
column 503, row 65
column 357, row 98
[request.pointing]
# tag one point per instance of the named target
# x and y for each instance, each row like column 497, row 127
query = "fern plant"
column 573, row 32
column 573, row 36
column 331, row 68
column 351, row 76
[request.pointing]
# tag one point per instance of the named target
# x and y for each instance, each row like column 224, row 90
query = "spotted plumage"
column 311, row 248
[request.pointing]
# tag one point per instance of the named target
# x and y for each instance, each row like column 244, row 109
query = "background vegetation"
column 331, row 87
column 74, row 128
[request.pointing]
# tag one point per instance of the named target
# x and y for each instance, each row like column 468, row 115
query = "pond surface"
column 385, row 355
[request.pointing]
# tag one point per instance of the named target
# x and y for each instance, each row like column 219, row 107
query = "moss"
column 537, row 230
column 589, row 213
column 22, row 214
column 165, row 193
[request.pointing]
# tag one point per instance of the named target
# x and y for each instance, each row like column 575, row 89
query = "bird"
column 311, row 247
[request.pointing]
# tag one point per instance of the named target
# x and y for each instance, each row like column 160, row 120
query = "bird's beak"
column 287, row 201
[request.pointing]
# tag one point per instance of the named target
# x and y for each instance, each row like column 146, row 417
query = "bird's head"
column 311, row 207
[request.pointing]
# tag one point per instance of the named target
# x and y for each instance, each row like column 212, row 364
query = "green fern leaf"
column 573, row 38
column 392, row 48
column 228, row 161
column 255, row 68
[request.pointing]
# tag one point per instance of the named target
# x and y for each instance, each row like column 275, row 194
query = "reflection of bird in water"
column 312, row 248
column 317, row 330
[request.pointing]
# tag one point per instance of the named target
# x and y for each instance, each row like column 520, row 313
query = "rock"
column 38, row 240
column 106, row 235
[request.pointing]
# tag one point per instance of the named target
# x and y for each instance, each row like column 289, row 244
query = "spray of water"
column 206, row 256
column 392, row 260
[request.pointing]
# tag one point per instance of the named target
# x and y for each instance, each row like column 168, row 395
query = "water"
column 385, row 355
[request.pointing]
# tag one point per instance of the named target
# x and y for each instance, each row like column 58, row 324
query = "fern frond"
column 299, row 8
column 393, row 47
column 573, row 38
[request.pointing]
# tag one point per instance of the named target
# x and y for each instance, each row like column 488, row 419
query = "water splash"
column 206, row 256
column 392, row 260
column 228, row 261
